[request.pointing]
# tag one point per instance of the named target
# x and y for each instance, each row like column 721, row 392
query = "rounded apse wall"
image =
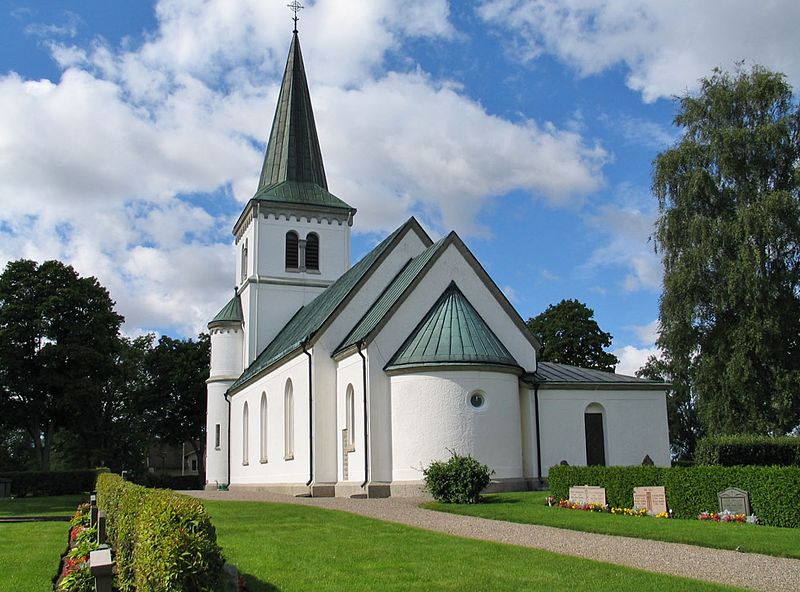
column 468, row 412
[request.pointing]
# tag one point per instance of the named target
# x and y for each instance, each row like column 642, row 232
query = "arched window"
column 263, row 432
column 595, row 436
column 350, row 417
column 245, row 434
column 288, row 422
column 292, row 250
column 312, row 251
column 244, row 261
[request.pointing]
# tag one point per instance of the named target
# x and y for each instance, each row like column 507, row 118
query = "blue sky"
column 132, row 133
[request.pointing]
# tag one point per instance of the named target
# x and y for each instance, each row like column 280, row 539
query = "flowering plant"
column 727, row 516
column 593, row 507
column 630, row 511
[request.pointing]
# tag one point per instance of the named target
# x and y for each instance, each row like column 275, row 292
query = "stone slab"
column 654, row 499
column 735, row 501
column 588, row 494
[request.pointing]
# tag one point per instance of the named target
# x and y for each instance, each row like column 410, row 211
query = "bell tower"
column 293, row 237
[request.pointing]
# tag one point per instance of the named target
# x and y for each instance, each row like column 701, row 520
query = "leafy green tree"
column 684, row 428
column 58, row 332
column 175, row 395
column 729, row 234
column 570, row 335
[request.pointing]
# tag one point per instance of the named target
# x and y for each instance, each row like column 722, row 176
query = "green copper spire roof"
column 230, row 313
column 293, row 171
column 452, row 333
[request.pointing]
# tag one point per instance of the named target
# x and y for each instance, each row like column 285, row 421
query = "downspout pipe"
column 366, row 416
column 310, row 417
column 538, row 433
column 228, row 400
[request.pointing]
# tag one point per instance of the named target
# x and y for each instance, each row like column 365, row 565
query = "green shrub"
column 47, row 483
column 162, row 541
column 691, row 490
column 731, row 451
column 459, row 480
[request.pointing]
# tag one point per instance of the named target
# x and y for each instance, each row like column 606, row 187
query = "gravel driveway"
column 747, row 570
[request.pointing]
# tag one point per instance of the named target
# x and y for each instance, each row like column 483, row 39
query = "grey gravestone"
column 735, row 501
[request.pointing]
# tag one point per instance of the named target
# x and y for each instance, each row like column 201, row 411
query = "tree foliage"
column 570, row 335
column 58, row 332
column 729, row 234
column 174, row 398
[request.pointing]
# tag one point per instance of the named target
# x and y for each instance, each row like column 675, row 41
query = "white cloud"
column 666, row 46
column 647, row 334
column 626, row 225
column 102, row 168
column 632, row 358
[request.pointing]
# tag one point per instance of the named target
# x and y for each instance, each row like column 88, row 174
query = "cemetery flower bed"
column 75, row 575
column 598, row 507
column 727, row 516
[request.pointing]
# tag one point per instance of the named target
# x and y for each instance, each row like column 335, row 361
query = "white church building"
column 331, row 379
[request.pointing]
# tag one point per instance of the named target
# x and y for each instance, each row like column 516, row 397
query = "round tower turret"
column 227, row 364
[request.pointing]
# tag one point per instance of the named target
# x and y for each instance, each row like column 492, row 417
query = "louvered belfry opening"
column 312, row 252
column 292, row 249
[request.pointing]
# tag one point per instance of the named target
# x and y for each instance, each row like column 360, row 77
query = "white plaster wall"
column 276, row 469
column 634, row 424
column 226, row 351
column 528, row 428
column 334, row 246
column 431, row 413
column 217, row 413
column 349, row 372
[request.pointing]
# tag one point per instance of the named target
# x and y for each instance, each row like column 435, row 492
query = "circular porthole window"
column 477, row 399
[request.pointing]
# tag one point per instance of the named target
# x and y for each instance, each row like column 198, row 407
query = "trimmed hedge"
column 730, row 451
column 691, row 490
column 174, row 482
column 162, row 541
column 46, row 483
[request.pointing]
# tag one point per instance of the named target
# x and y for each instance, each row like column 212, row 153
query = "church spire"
column 293, row 172
column 293, row 152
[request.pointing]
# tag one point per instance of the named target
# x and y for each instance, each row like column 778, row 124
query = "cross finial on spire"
column 295, row 7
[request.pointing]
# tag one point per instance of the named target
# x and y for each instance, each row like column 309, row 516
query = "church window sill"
column 263, row 461
column 288, row 457
column 245, row 463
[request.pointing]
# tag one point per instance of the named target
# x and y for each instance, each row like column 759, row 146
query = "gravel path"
column 747, row 570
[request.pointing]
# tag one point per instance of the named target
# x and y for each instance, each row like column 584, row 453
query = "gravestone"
column 735, row 501
column 588, row 494
column 653, row 499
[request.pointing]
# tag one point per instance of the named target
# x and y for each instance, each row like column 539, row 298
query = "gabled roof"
column 380, row 311
column 563, row 375
column 293, row 171
column 230, row 313
column 310, row 319
column 452, row 333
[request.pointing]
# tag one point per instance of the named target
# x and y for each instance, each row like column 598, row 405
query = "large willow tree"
column 729, row 234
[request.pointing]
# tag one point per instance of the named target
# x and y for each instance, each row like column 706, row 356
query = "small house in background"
column 328, row 379
column 168, row 459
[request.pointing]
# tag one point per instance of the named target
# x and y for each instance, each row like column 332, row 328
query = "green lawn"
column 30, row 551
column 282, row 547
column 61, row 505
column 530, row 508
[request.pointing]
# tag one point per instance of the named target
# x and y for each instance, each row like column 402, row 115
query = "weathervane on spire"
column 295, row 7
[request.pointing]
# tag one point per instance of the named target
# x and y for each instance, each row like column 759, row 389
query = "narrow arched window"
column 288, row 422
column 245, row 434
column 350, row 417
column 595, row 436
column 292, row 250
column 263, row 431
column 312, row 251
column 244, row 260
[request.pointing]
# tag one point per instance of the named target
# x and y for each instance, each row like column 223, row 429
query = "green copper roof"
column 550, row 373
column 309, row 319
column 452, row 333
column 230, row 313
column 293, row 171
column 390, row 296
